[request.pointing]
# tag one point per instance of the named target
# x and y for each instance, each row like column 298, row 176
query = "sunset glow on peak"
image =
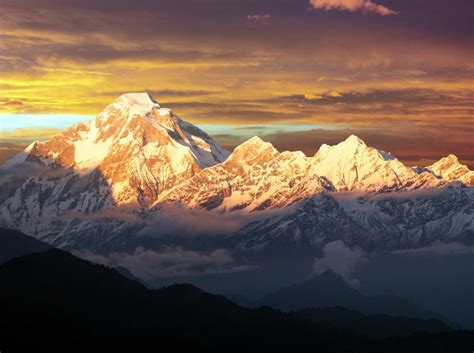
column 399, row 74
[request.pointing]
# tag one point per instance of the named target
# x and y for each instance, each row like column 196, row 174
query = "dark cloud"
column 208, row 64
column 180, row 93
column 144, row 25
column 388, row 96
column 400, row 104
column 259, row 20
column 243, row 115
column 13, row 103
column 165, row 95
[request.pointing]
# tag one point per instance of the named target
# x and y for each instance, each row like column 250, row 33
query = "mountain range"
column 80, row 306
column 330, row 289
column 99, row 183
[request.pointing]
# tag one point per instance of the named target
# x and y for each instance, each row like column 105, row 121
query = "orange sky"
column 401, row 77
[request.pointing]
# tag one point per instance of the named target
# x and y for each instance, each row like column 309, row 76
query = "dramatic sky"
column 397, row 73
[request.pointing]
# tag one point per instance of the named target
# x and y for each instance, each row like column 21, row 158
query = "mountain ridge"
column 79, row 306
column 137, row 157
column 329, row 289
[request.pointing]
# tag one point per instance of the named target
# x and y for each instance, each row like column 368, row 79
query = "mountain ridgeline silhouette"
column 55, row 302
column 329, row 289
column 14, row 243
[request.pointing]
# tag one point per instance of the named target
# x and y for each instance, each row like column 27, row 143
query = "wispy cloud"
column 364, row 6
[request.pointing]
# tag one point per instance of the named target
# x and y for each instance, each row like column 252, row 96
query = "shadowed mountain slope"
column 14, row 243
column 78, row 306
column 329, row 289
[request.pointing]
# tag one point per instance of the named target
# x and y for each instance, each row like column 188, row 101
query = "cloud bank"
column 168, row 261
column 179, row 221
column 339, row 258
column 364, row 6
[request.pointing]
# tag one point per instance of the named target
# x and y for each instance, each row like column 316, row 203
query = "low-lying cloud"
column 364, row 6
column 168, row 262
column 175, row 220
column 339, row 258
column 439, row 248
column 11, row 170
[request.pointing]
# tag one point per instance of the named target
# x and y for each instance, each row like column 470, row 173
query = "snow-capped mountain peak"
column 352, row 165
column 446, row 163
column 140, row 154
column 139, row 99
column 449, row 168
column 353, row 141
column 347, row 148
column 138, row 148
column 253, row 150
column 126, row 107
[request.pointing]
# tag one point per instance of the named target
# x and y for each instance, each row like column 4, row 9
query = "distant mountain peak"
column 255, row 143
column 449, row 161
column 352, row 165
column 344, row 149
column 451, row 169
column 354, row 140
column 254, row 140
column 451, row 157
column 253, row 149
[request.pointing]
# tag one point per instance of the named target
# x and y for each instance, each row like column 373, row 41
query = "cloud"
column 62, row 58
column 13, row 103
column 339, row 258
column 438, row 248
column 181, row 93
column 334, row 94
column 29, row 133
column 180, row 222
column 364, row 6
column 259, row 19
column 122, row 213
column 168, row 261
column 18, row 171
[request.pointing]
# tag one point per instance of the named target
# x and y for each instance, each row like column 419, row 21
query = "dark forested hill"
column 14, row 243
column 377, row 325
column 329, row 289
column 55, row 302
